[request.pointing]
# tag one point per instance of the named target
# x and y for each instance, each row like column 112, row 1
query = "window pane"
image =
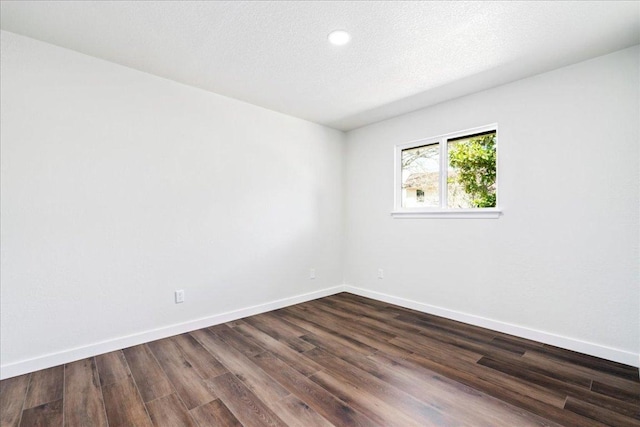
column 471, row 176
column 421, row 176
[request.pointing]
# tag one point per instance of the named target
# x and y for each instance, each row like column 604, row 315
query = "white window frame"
column 442, row 211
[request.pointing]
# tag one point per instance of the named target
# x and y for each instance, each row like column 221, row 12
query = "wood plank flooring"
column 343, row 360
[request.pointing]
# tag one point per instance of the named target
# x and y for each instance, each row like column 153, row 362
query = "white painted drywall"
column 563, row 259
column 119, row 187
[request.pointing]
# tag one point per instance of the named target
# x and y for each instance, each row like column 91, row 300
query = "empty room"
column 320, row 213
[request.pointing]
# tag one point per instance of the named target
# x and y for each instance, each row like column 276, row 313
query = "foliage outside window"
column 455, row 172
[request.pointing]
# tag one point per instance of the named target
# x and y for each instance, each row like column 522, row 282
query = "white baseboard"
column 614, row 354
column 71, row 355
column 67, row 356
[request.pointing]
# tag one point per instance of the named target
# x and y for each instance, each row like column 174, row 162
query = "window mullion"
column 443, row 173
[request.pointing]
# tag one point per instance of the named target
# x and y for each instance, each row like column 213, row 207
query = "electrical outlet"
column 179, row 296
column 380, row 273
column 312, row 273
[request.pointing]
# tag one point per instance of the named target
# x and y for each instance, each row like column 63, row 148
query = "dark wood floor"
column 342, row 360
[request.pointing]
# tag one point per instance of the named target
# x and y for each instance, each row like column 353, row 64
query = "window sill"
column 484, row 213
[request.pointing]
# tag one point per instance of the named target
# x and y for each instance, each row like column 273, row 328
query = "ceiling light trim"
column 339, row 37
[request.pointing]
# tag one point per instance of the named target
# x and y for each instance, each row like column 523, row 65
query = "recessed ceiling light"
column 339, row 37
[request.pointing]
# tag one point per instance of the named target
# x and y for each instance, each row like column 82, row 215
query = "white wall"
column 119, row 187
column 562, row 263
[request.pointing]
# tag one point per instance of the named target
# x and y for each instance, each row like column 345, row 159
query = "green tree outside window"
column 474, row 160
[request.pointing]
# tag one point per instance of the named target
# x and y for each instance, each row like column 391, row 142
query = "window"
column 453, row 175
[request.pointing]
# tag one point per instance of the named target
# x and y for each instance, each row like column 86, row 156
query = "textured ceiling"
column 403, row 55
